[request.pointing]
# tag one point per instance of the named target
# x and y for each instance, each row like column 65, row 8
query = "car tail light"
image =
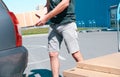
column 17, row 33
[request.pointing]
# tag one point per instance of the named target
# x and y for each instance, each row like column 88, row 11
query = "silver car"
column 13, row 56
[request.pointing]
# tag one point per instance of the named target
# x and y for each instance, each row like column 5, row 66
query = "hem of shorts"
column 53, row 51
column 73, row 51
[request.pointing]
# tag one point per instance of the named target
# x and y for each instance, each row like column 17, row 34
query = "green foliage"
column 34, row 31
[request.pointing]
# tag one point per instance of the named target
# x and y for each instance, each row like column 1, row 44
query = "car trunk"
column 7, row 32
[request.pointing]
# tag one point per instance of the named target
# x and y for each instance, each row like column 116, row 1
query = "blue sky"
column 19, row 6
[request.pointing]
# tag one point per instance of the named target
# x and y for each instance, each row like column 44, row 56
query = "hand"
column 41, row 21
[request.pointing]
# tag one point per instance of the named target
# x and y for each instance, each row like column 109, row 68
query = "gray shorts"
column 66, row 32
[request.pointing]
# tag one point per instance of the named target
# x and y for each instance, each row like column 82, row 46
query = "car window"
column 2, row 5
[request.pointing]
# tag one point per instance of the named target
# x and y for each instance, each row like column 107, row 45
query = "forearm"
column 58, row 9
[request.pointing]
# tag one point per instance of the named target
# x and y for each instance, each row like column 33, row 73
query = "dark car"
column 13, row 55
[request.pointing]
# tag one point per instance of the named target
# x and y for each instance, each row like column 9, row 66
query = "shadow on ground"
column 41, row 73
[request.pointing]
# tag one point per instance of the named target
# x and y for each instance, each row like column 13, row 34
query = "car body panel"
column 13, row 56
column 13, row 62
column 7, row 33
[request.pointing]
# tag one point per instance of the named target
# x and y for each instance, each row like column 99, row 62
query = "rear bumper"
column 13, row 62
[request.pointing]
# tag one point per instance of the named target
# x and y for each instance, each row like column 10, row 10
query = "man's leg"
column 70, row 36
column 77, row 56
column 54, row 61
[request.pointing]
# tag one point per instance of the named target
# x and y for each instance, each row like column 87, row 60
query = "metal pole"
column 118, row 27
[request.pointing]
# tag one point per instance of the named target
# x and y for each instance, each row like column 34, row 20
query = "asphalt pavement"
column 92, row 44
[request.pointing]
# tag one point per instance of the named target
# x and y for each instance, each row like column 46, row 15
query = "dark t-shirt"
column 68, row 15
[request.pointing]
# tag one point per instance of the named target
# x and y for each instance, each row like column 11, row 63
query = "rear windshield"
column 2, row 5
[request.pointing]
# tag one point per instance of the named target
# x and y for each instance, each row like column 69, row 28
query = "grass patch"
column 80, row 29
column 34, row 31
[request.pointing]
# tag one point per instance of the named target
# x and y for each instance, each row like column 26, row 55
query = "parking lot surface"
column 92, row 44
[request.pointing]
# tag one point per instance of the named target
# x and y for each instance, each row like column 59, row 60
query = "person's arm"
column 58, row 9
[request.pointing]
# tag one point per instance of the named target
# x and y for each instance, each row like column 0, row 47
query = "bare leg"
column 77, row 56
column 54, row 61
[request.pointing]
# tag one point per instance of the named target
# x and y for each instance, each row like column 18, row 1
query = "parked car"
column 13, row 55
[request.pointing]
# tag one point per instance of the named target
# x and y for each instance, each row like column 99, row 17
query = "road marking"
column 43, row 46
column 31, row 63
column 36, row 46
column 36, row 35
column 37, row 75
column 62, row 58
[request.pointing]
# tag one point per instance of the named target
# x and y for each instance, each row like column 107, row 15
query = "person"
column 63, row 27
